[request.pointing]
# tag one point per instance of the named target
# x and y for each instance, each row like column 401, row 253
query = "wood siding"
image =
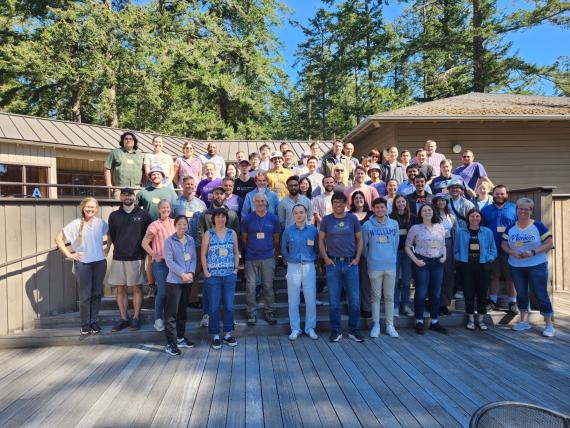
column 561, row 253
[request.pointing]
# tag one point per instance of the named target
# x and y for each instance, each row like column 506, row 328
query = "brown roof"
column 37, row 130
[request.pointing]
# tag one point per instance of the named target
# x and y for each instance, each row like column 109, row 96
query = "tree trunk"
column 76, row 106
column 113, row 118
column 478, row 49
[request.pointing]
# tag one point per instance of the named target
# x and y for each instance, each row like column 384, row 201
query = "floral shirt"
column 427, row 241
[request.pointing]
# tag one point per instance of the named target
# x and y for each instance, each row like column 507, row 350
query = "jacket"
column 180, row 258
column 487, row 248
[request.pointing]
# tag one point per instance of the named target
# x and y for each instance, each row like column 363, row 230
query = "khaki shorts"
column 127, row 273
column 500, row 267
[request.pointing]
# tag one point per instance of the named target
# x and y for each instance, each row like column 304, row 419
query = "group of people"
column 369, row 226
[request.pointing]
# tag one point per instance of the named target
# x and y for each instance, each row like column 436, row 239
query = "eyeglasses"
column 339, row 170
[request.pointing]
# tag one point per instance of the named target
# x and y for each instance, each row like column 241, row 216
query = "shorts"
column 500, row 267
column 127, row 273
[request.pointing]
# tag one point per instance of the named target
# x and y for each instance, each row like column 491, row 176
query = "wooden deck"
column 413, row 381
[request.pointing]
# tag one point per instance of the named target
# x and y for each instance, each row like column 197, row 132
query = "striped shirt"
column 160, row 231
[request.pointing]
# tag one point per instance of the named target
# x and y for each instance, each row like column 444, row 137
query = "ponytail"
column 82, row 219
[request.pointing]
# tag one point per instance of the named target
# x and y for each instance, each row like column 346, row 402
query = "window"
column 23, row 174
column 80, row 179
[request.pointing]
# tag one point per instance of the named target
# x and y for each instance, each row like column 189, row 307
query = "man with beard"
column 150, row 197
column 285, row 207
column 420, row 196
column 407, row 187
column 322, row 204
column 499, row 217
column 218, row 161
column 127, row 227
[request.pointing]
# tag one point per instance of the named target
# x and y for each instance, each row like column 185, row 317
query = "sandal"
column 482, row 326
column 470, row 325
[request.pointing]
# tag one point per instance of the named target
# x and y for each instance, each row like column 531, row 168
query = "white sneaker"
column 391, row 331
column 319, row 302
column 521, row 326
column 375, row 332
column 205, row 320
column 159, row 325
column 311, row 333
column 459, row 295
column 408, row 311
column 294, row 335
column 548, row 331
column 396, row 312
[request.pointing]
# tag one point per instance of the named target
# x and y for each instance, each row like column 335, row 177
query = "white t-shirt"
column 161, row 160
column 91, row 244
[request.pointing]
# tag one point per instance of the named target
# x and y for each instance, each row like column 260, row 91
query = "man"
column 218, row 161
column 289, row 160
column 322, row 204
column 240, row 156
column 419, row 196
column 261, row 183
column 193, row 208
column 255, row 167
column 391, row 168
column 405, row 158
column 124, row 165
column 209, row 183
column 283, row 147
column 315, row 153
column 440, row 183
column 499, row 217
column 432, row 157
column 374, row 171
column 381, row 237
column 260, row 238
column 312, row 174
column 459, row 205
column 277, row 176
column 425, row 168
column 127, row 227
column 285, row 207
column 348, row 150
column 340, row 245
column 264, row 161
column 244, row 182
column 370, row 193
column 149, row 197
column 335, row 158
column 233, row 202
column 470, row 171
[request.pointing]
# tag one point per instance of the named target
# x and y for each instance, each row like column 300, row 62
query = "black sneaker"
column 216, row 343
column 135, row 324
column 120, row 325
column 270, row 318
column 420, row 328
column 490, row 306
column 513, row 308
column 85, row 329
column 172, row 349
column 182, row 342
column 335, row 336
column 365, row 314
column 230, row 341
column 356, row 336
column 96, row 328
column 444, row 310
column 438, row 328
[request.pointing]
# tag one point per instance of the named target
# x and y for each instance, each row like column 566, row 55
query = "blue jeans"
column 339, row 276
column 160, row 272
column 403, row 279
column 221, row 288
column 428, row 279
column 302, row 276
column 537, row 278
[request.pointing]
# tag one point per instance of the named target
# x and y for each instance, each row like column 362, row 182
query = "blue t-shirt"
column 527, row 239
column 499, row 220
column 260, row 232
column 340, row 240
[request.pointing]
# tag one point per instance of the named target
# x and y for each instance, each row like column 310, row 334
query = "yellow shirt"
column 278, row 181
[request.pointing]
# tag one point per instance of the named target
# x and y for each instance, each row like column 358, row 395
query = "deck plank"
column 253, row 397
column 271, row 412
column 201, row 411
column 236, row 406
column 220, row 398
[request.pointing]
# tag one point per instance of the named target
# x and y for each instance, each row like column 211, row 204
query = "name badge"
column 130, row 161
column 501, row 229
column 403, row 231
column 518, row 244
column 260, row 235
column 155, row 200
column 474, row 247
column 223, row 252
column 189, row 213
column 434, row 244
column 382, row 239
column 310, row 243
column 187, row 257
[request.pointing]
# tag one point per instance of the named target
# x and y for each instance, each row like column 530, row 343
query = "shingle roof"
column 83, row 136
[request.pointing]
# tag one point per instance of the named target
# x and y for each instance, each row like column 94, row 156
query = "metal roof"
column 23, row 129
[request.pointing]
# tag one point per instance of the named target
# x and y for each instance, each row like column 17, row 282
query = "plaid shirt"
column 126, row 168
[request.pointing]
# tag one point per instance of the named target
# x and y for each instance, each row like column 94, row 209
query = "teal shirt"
column 150, row 197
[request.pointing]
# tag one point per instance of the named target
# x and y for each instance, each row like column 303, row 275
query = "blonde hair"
column 82, row 205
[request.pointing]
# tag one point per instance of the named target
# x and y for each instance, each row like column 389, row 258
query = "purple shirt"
column 340, row 240
column 234, row 203
column 187, row 168
column 471, row 173
column 205, row 188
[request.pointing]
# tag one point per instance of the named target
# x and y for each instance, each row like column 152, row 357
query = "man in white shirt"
column 211, row 156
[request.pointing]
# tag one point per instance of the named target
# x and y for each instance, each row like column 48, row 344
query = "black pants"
column 90, row 277
column 476, row 277
column 175, row 311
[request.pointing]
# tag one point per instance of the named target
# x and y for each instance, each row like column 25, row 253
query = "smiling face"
column 157, row 144
column 400, row 203
column 328, row 184
column 218, row 198
column 338, row 206
column 304, row 185
column 349, row 150
column 261, row 181
column 430, row 147
column 188, row 187
column 445, row 169
column 231, row 171
column 164, row 210
column 380, row 210
column 392, row 154
column 358, row 201
column 212, row 149
column 89, row 209
column 359, row 176
column 337, row 148
column 260, row 203
column 312, row 165
column 391, row 188
column 181, row 226
column 288, row 158
column 220, row 220
column 421, row 157
column 127, row 199
column 156, row 178
column 210, row 171
column 254, row 161
column 426, row 213
column 420, row 184
column 228, row 186
column 467, row 158
column 474, row 220
column 188, row 150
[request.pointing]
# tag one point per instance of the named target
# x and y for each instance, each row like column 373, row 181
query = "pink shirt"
column 161, row 231
column 427, row 241
column 188, row 168
column 370, row 193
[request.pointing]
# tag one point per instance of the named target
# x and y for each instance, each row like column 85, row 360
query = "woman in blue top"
column 220, row 260
column 526, row 243
column 180, row 257
column 299, row 246
column 474, row 250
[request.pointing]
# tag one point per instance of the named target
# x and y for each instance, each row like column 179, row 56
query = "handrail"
column 88, row 186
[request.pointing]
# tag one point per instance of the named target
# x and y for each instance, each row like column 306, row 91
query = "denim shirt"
column 180, row 258
column 487, row 248
column 193, row 210
column 296, row 244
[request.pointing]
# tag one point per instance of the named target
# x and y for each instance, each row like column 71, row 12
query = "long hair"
column 122, row 140
column 309, row 190
column 82, row 205
column 366, row 208
column 407, row 214
column 434, row 218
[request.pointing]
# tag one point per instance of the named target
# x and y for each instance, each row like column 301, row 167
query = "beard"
column 499, row 200
column 128, row 202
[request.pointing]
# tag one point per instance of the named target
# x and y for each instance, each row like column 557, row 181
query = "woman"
column 231, row 171
column 401, row 213
column 187, row 165
column 391, row 190
column 526, row 243
column 305, row 187
column 299, row 247
column 220, row 260
column 483, row 197
column 153, row 244
column 441, row 206
column 86, row 236
column 180, row 257
column 425, row 245
column 160, row 159
column 474, row 249
column 359, row 207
